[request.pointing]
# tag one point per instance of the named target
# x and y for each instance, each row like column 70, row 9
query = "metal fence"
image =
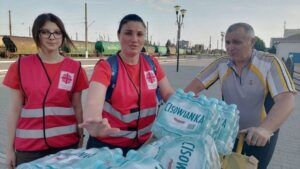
column 294, row 71
column 297, row 80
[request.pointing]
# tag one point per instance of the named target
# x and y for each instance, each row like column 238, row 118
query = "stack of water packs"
column 186, row 115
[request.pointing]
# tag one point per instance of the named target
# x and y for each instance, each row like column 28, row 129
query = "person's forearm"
column 92, row 110
column 195, row 86
column 77, row 107
column 94, row 102
column 167, row 93
column 279, row 113
column 16, row 102
column 11, row 129
column 79, row 118
column 166, row 89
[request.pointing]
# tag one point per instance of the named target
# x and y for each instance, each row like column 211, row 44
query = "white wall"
column 283, row 49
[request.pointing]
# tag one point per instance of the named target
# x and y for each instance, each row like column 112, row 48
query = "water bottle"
column 139, row 160
column 224, row 137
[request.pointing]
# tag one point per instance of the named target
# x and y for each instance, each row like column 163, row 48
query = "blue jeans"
column 263, row 154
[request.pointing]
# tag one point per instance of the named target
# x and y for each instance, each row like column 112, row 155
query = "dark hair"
column 248, row 28
column 40, row 21
column 128, row 18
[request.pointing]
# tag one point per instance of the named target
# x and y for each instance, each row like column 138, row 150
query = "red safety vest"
column 122, row 108
column 47, row 119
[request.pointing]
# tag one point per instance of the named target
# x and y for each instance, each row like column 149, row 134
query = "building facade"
column 289, row 43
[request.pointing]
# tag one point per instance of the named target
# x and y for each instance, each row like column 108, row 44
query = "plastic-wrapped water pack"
column 78, row 159
column 228, row 126
column 184, row 152
column 184, row 115
column 138, row 160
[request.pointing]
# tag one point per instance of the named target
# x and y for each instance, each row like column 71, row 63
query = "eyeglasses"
column 47, row 34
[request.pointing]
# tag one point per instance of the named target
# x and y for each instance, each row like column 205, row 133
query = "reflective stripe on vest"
column 128, row 117
column 51, row 132
column 49, row 111
column 132, row 134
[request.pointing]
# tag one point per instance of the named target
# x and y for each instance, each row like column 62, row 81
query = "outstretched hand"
column 257, row 136
column 98, row 127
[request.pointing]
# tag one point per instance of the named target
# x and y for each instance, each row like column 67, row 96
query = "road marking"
column 87, row 59
column 88, row 66
column 7, row 61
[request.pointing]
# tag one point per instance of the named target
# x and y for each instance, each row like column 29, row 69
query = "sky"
column 203, row 19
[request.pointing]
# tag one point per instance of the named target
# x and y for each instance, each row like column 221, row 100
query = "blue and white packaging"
column 139, row 160
column 228, row 128
column 184, row 115
column 184, row 152
column 93, row 158
column 61, row 159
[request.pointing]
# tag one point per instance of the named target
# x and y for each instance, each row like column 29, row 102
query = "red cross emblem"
column 66, row 78
column 150, row 77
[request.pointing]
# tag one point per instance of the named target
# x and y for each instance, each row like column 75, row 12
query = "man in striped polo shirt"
column 258, row 83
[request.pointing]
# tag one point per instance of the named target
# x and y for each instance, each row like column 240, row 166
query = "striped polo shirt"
column 264, row 77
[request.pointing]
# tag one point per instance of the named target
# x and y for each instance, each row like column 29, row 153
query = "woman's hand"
column 10, row 159
column 80, row 144
column 98, row 127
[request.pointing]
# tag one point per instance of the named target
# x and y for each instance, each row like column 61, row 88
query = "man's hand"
column 98, row 127
column 257, row 136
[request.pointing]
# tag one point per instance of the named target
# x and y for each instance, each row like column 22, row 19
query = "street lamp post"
column 86, row 31
column 222, row 38
column 179, row 21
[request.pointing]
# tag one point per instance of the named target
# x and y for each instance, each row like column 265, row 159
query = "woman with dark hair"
column 122, row 97
column 45, row 96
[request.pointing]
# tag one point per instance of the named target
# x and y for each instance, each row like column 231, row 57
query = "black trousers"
column 28, row 156
column 263, row 154
column 94, row 143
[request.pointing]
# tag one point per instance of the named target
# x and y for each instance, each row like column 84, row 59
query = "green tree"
column 65, row 49
column 259, row 44
column 99, row 48
column 272, row 50
column 168, row 44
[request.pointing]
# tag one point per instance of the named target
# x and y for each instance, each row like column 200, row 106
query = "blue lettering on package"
column 198, row 118
column 186, row 152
